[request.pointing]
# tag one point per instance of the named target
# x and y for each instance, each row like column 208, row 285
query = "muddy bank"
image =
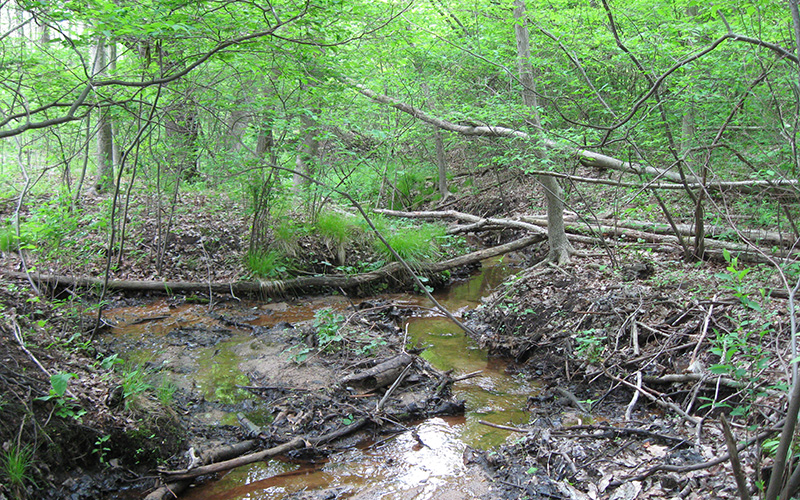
column 636, row 374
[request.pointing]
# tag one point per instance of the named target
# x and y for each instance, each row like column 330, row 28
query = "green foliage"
column 590, row 345
column 134, row 384
column 331, row 337
column 337, row 231
column 8, row 239
column 65, row 405
column 166, row 391
column 17, row 463
column 735, row 281
column 416, row 243
column 336, row 227
column 327, row 324
column 741, row 352
column 286, row 233
column 266, row 263
column 102, row 447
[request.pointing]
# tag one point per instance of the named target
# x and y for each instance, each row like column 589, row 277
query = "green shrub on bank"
column 266, row 263
column 416, row 243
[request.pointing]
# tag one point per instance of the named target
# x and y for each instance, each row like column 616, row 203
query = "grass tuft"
column 16, row 464
column 413, row 243
column 266, row 263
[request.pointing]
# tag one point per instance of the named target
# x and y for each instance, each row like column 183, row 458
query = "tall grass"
column 416, row 243
column 16, row 463
column 337, row 230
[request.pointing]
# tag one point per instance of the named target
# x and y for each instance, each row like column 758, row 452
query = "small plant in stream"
column 328, row 324
column 590, row 345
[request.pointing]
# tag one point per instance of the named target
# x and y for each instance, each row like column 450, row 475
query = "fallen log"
column 710, row 243
column 379, row 375
column 761, row 236
column 475, row 221
column 277, row 288
column 296, row 443
column 576, row 231
column 588, row 158
column 176, row 487
column 749, row 186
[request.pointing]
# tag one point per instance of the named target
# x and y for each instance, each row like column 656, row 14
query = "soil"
column 698, row 341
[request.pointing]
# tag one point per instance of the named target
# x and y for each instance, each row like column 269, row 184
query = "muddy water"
column 398, row 467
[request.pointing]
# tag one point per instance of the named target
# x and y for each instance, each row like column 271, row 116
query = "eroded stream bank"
column 214, row 355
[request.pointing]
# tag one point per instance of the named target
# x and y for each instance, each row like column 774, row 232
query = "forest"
column 308, row 248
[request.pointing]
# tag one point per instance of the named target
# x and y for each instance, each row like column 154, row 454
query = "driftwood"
column 305, row 284
column 379, row 375
column 176, row 487
column 296, row 443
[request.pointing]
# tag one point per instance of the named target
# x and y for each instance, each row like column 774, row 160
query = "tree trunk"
column 441, row 165
column 560, row 247
column 306, row 152
column 181, row 123
column 105, row 137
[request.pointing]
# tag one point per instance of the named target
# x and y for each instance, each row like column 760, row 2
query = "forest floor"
column 639, row 361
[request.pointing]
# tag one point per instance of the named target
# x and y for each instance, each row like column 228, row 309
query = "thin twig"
column 396, row 383
column 635, row 398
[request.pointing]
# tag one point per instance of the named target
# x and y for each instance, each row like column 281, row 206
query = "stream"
column 400, row 466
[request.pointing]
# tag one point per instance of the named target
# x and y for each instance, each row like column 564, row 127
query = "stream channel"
column 394, row 468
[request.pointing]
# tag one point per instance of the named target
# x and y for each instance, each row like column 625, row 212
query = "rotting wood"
column 176, row 487
column 277, row 288
column 379, row 375
column 293, row 444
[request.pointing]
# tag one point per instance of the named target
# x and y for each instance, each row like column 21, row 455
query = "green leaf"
column 720, row 369
column 59, row 382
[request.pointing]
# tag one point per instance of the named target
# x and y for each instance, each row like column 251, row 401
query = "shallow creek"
column 395, row 468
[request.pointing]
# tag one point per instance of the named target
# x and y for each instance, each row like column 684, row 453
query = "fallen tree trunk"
column 586, row 157
column 476, row 221
column 783, row 239
column 711, row 244
column 749, row 186
column 273, row 288
column 589, row 158
column 260, row 456
column 577, row 231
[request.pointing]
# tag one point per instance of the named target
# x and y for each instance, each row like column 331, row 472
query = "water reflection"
column 418, row 465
